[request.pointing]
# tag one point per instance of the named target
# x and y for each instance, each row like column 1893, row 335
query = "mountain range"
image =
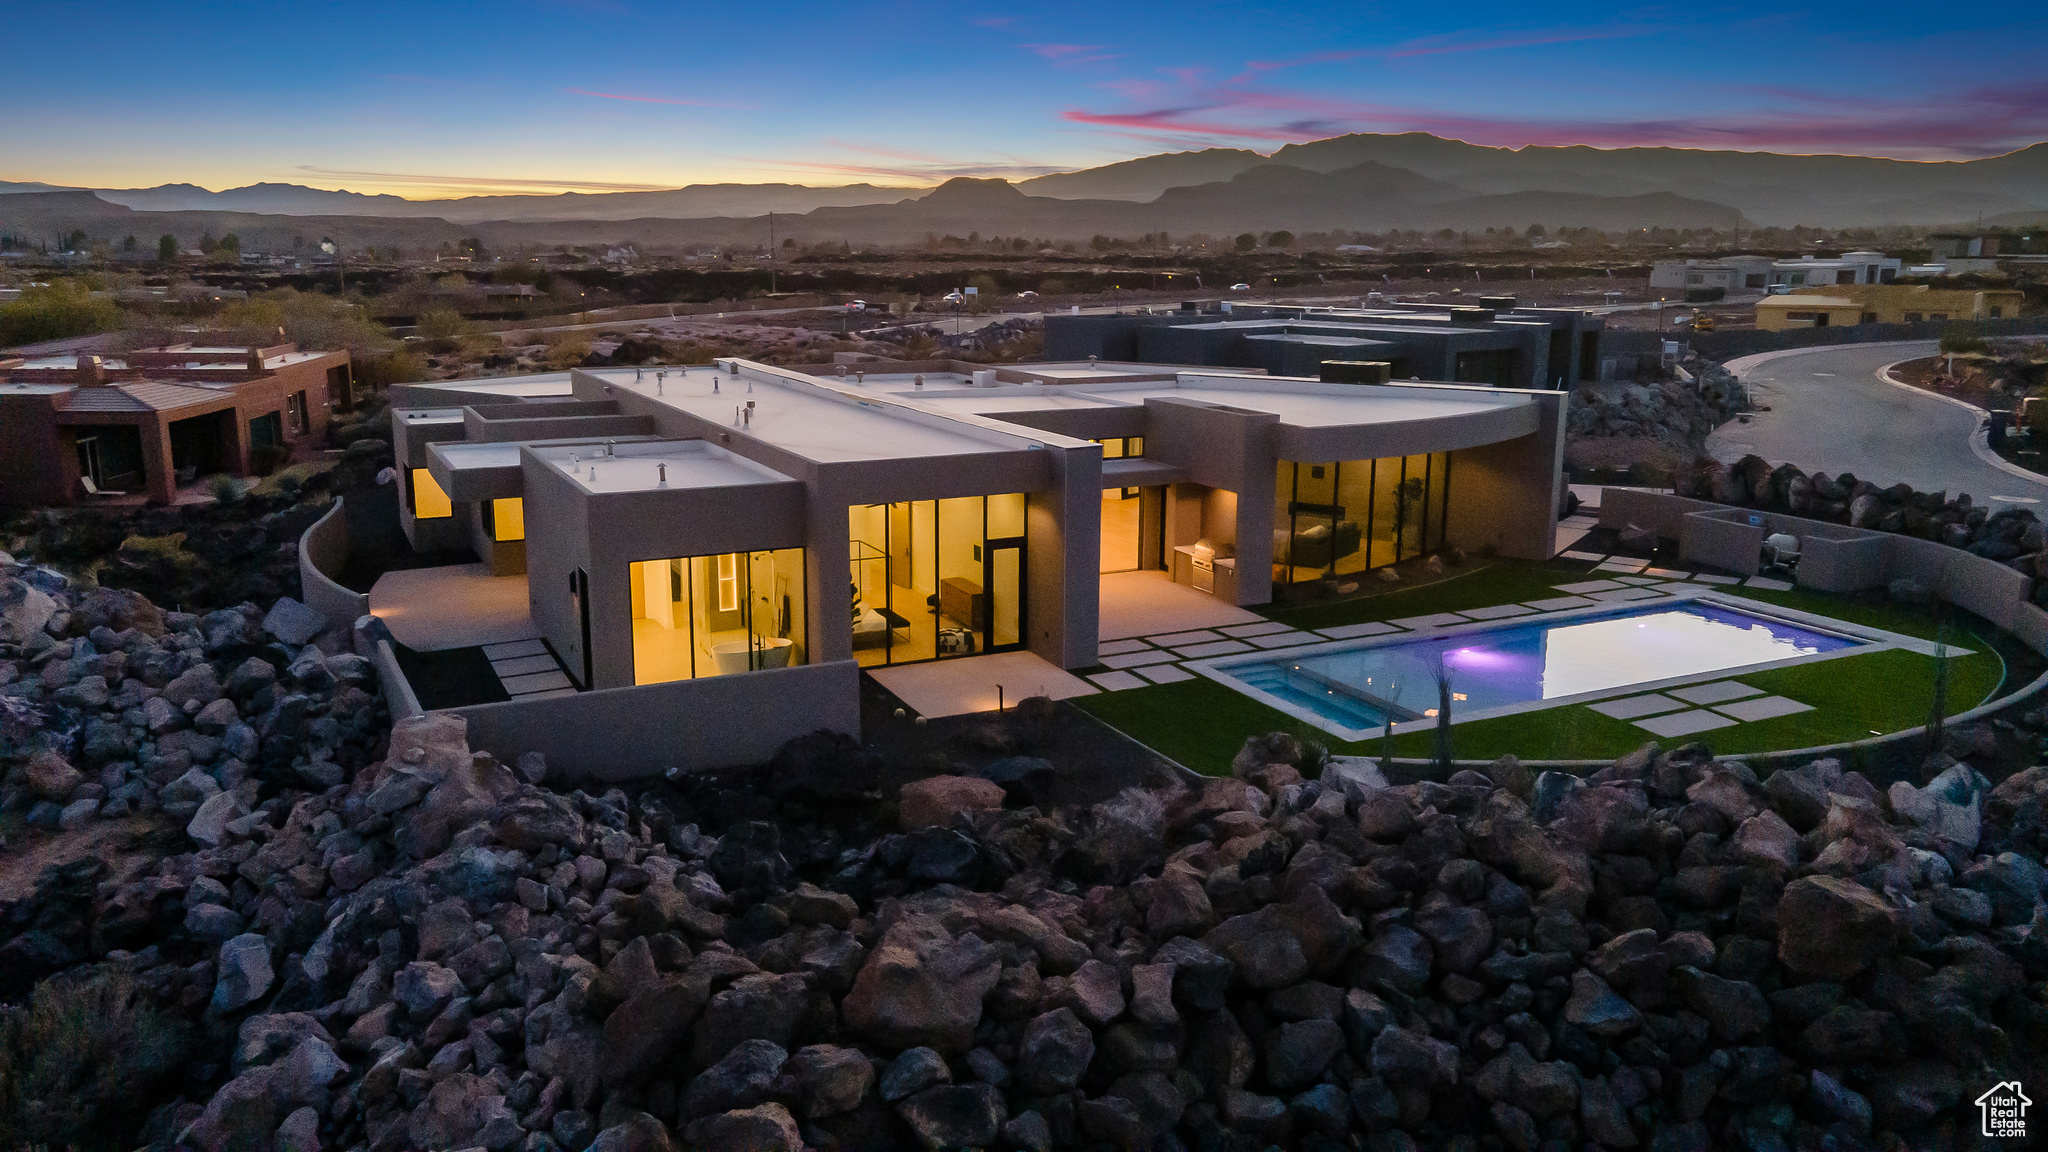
column 1362, row 182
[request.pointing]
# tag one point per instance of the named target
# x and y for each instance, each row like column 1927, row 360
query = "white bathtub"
column 732, row 655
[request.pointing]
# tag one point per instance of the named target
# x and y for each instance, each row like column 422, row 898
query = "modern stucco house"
column 729, row 527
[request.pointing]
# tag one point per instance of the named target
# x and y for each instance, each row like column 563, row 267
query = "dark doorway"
column 1495, row 366
column 1589, row 355
column 266, row 431
column 111, row 457
column 202, row 445
column 1559, row 370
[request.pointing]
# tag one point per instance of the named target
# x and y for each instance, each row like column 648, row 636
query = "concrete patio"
column 970, row 683
column 456, row 606
column 1150, row 604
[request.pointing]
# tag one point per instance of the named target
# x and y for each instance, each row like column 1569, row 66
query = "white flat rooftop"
column 420, row 416
column 35, row 389
column 1354, row 405
column 657, row 466
column 539, row 384
column 813, row 421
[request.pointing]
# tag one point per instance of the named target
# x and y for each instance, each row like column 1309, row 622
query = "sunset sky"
column 437, row 99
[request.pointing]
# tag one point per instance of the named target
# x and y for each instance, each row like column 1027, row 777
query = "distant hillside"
column 1366, row 197
column 1392, row 177
column 1145, row 177
column 697, row 200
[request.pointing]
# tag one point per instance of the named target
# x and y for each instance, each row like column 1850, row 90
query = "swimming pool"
column 1357, row 686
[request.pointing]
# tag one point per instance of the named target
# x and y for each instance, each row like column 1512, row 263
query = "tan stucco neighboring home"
column 1843, row 305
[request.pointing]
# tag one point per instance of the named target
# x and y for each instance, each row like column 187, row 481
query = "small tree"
column 128, row 244
column 1937, row 715
column 1442, row 675
column 1247, row 241
column 1280, row 239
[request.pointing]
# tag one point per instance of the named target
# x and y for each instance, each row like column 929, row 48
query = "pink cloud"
column 1436, row 46
column 1972, row 122
column 651, row 99
column 1062, row 51
column 1300, row 61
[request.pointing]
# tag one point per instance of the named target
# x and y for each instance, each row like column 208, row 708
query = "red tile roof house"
column 155, row 419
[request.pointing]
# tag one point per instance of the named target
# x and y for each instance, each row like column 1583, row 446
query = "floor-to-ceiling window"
column 1345, row 516
column 935, row 578
column 1122, row 520
column 716, row 615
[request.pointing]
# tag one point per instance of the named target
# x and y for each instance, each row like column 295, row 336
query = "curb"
column 1980, row 440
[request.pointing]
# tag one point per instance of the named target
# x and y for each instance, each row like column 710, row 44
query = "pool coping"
column 1874, row 640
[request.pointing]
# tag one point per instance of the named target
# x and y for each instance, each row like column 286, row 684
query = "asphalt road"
column 1831, row 412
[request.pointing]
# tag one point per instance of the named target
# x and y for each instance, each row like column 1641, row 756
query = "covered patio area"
column 1148, row 603
column 975, row 683
column 454, row 606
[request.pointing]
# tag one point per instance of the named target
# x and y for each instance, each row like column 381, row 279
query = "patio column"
column 155, row 433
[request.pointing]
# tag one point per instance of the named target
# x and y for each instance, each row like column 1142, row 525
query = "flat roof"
column 35, row 389
column 538, row 384
column 813, row 420
column 418, row 416
column 463, row 455
column 1314, row 407
column 649, row 466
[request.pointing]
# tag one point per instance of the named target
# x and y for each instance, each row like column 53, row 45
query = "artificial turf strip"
column 1484, row 587
column 1201, row 723
column 1198, row 722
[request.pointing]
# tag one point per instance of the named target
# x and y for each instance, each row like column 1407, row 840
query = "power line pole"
column 771, row 253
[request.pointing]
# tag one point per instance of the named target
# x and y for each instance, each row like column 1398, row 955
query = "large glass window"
column 935, row 578
column 1335, row 518
column 717, row 615
column 429, row 502
column 505, row 519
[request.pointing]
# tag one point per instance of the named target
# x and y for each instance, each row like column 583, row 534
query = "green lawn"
column 1480, row 585
column 1201, row 723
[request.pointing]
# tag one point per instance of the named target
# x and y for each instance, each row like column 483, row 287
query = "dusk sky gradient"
column 441, row 99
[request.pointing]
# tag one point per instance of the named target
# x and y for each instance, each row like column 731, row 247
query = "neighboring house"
column 155, row 419
column 692, row 526
column 1486, row 340
column 1764, row 273
column 1883, row 304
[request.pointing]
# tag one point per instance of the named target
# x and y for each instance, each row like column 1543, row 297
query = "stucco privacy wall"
column 323, row 549
column 635, row 733
column 1854, row 558
column 1504, row 496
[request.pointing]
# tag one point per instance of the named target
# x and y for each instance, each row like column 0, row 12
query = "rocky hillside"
column 336, row 942
column 1659, row 427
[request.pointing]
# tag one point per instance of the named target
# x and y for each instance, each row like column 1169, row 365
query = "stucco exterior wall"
column 1504, row 496
column 324, row 549
column 716, row 722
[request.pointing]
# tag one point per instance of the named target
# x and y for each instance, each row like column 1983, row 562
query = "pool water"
column 1518, row 664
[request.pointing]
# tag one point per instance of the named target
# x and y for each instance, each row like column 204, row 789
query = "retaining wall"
column 617, row 734
column 1835, row 557
column 323, row 548
column 1726, row 345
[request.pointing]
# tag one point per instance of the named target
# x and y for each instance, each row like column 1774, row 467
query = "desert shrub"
column 1960, row 343
column 81, row 1062
column 224, row 488
column 65, row 308
column 267, row 458
column 400, row 365
column 569, row 351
